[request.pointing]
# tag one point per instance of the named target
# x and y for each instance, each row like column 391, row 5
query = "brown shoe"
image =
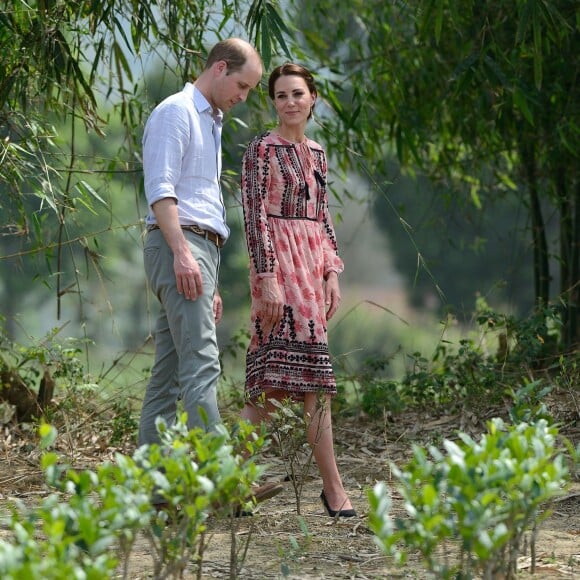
column 172, row 513
column 267, row 491
column 257, row 495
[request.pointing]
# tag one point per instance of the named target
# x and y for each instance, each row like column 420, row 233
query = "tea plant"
column 196, row 474
column 528, row 402
column 90, row 522
column 483, row 496
column 289, row 429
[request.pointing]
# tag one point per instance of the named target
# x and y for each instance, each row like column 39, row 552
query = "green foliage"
column 507, row 351
column 268, row 28
column 124, row 425
column 378, row 395
column 453, row 375
column 60, row 356
column 90, row 522
column 296, row 550
column 528, row 403
column 289, row 429
column 480, row 99
column 483, row 494
column 503, row 357
column 530, row 341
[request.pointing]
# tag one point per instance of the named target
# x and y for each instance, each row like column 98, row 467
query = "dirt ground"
column 283, row 544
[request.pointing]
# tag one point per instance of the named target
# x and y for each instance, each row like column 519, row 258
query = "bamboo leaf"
column 537, row 50
column 438, row 21
column 254, row 17
column 121, row 61
column 279, row 28
column 523, row 21
column 266, row 46
column 97, row 60
column 121, row 30
column 521, row 104
column 87, row 190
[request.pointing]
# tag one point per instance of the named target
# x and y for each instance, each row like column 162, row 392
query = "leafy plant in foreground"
column 289, row 429
column 89, row 524
column 483, row 495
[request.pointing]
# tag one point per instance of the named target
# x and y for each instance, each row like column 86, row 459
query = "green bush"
column 87, row 527
column 372, row 390
column 482, row 496
column 481, row 368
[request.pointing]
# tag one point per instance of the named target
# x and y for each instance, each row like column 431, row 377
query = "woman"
column 294, row 267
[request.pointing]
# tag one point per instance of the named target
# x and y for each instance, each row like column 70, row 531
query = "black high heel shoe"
column 336, row 513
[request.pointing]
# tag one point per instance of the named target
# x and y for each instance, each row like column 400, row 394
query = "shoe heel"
column 351, row 513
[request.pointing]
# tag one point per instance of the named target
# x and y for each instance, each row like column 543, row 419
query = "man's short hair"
column 234, row 51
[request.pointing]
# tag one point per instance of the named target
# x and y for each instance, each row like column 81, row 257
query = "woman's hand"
column 271, row 304
column 331, row 294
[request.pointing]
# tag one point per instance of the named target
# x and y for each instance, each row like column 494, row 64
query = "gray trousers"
column 186, row 352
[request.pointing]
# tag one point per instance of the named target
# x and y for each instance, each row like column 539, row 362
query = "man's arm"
column 187, row 270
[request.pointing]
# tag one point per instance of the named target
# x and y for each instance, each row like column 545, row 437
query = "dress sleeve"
column 332, row 260
column 255, row 181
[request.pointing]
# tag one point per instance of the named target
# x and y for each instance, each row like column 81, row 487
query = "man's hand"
column 187, row 273
column 187, row 270
column 218, row 306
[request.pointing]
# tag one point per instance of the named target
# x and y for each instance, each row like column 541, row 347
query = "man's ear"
column 220, row 66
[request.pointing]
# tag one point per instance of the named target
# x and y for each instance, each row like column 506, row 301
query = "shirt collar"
column 202, row 104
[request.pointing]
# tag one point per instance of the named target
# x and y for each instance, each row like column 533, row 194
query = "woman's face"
column 293, row 100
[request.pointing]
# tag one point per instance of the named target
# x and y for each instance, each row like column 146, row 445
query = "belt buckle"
column 211, row 236
column 196, row 229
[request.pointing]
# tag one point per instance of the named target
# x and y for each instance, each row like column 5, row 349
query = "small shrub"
column 91, row 520
column 453, row 375
column 289, row 428
column 506, row 351
column 528, row 342
column 481, row 495
column 528, row 402
column 378, row 394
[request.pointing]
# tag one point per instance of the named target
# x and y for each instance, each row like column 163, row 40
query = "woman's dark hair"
column 292, row 69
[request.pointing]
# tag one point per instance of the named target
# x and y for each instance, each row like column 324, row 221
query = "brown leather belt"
column 207, row 234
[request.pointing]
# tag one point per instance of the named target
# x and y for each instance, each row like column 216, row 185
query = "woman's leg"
column 320, row 437
column 257, row 412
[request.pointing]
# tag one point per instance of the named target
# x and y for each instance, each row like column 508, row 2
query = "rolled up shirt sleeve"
column 165, row 140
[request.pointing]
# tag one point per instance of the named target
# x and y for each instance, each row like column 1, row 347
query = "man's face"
column 231, row 88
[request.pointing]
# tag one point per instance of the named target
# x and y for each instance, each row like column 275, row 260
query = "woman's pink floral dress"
column 290, row 235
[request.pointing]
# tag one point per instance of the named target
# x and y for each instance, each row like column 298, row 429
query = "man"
column 186, row 229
